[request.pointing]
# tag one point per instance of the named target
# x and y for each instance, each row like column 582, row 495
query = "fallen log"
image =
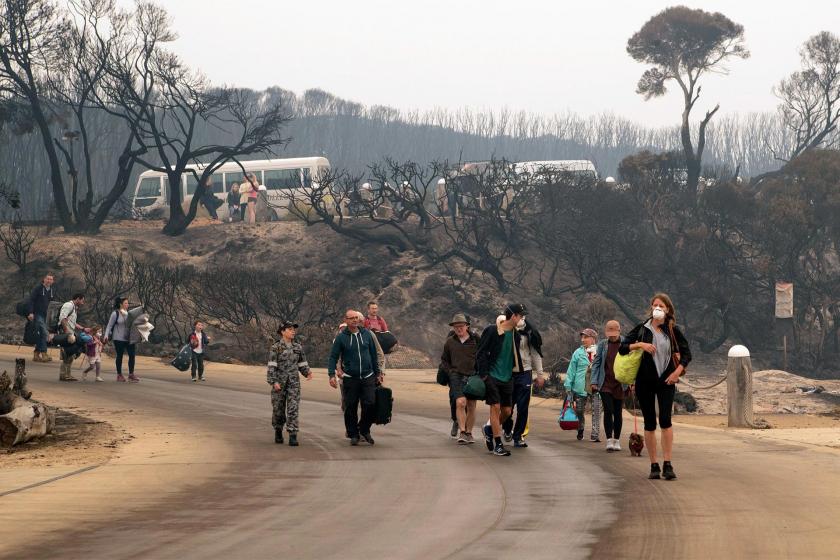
column 20, row 418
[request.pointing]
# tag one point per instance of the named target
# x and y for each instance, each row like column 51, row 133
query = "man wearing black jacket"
column 39, row 300
column 496, row 360
column 357, row 351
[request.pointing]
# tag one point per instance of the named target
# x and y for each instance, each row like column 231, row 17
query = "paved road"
column 413, row 495
column 210, row 483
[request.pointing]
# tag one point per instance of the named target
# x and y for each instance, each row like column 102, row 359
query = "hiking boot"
column 508, row 437
column 462, row 438
column 45, row 356
column 470, row 438
column 654, row 471
column 519, row 443
column 668, row 471
column 293, row 442
column 367, row 437
column 278, row 435
column 36, row 356
column 580, row 435
column 67, row 377
column 501, row 451
column 488, row 437
column 354, row 441
column 133, row 378
column 120, row 378
column 453, row 433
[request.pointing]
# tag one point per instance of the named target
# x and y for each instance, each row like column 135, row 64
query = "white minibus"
column 279, row 176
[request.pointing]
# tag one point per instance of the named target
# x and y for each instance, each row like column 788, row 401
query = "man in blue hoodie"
column 357, row 350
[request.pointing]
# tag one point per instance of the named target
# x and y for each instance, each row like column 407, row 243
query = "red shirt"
column 376, row 324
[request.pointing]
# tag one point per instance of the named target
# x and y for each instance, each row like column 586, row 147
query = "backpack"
column 383, row 405
column 53, row 311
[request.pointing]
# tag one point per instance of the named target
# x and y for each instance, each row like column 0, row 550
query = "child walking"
column 93, row 349
column 198, row 342
column 579, row 387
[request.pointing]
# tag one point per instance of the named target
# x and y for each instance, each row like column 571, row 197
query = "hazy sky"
column 540, row 56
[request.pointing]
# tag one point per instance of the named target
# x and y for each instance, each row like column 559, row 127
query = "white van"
column 576, row 168
column 279, row 176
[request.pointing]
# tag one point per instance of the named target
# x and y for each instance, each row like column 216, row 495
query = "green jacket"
column 576, row 374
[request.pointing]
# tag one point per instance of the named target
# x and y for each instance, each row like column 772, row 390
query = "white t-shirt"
column 200, row 348
column 68, row 311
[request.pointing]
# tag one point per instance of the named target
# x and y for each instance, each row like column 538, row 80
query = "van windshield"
column 149, row 187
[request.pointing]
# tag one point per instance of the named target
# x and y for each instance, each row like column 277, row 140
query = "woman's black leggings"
column 649, row 390
column 121, row 346
column 612, row 415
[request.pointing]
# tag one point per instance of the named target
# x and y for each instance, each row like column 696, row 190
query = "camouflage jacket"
column 285, row 358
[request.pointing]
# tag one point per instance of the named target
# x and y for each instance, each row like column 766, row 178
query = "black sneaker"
column 654, row 471
column 367, row 437
column 278, row 436
column 580, row 435
column 354, row 441
column 508, row 437
column 519, row 443
column 668, row 471
column 293, row 442
column 453, row 433
column 501, row 451
column 488, row 437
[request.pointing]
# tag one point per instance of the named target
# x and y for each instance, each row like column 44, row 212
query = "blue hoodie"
column 576, row 373
column 357, row 352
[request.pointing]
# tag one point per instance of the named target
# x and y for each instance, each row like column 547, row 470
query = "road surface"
column 203, row 479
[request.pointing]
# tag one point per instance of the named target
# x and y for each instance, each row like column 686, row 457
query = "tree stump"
column 20, row 418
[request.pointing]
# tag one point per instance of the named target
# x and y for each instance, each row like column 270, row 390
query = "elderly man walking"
column 355, row 347
column 458, row 360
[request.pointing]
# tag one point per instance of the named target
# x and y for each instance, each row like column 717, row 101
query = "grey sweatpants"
column 580, row 409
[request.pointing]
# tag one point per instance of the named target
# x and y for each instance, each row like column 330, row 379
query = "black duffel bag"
column 383, row 405
column 30, row 333
column 182, row 360
column 442, row 376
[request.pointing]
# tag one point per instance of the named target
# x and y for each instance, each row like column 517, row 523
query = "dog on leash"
column 636, row 444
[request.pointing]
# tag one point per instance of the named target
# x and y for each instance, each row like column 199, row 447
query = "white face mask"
column 658, row 313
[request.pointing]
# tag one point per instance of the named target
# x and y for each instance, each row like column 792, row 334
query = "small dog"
column 636, row 444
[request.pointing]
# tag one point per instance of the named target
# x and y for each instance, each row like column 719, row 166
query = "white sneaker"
column 99, row 379
column 610, row 447
column 616, row 445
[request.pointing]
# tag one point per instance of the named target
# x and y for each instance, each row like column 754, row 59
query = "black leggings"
column 612, row 415
column 197, row 362
column 121, row 346
column 649, row 390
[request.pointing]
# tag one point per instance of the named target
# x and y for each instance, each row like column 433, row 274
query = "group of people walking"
column 508, row 359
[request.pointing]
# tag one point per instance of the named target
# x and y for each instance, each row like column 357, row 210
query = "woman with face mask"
column 666, row 355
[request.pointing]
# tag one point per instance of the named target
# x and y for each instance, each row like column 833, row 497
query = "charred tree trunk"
column 21, row 419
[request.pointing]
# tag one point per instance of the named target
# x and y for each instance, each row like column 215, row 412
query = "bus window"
column 149, row 188
column 215, row 178
column 307, row 177
column 282, row 179
column 232, row 177
column 165, row 188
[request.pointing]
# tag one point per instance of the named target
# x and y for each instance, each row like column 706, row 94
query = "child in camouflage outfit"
column 285, row 362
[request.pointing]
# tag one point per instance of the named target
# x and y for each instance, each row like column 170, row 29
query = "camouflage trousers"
column 285, row 403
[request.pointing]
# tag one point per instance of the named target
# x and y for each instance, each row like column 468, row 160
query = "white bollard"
column 739, row 388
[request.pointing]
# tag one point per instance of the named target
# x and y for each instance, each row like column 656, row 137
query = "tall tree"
column 682, row 45
column 810, row 97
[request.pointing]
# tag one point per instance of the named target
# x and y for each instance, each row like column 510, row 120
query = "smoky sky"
column 543, row 57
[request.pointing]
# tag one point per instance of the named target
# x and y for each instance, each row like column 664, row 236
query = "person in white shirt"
column 198, row 342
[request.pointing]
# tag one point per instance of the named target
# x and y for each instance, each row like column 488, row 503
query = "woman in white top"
column 118, row 331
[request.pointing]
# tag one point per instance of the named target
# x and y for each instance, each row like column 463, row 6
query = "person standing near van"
column 253, row 195
column 244, row 198
column 233, row 202
column 286, row 362
column 39, row 301
column 118, row 331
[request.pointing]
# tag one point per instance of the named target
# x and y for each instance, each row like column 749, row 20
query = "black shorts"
column 498, row 392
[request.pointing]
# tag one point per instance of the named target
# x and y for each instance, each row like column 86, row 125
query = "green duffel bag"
column 626, row 367
column 474, row 390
